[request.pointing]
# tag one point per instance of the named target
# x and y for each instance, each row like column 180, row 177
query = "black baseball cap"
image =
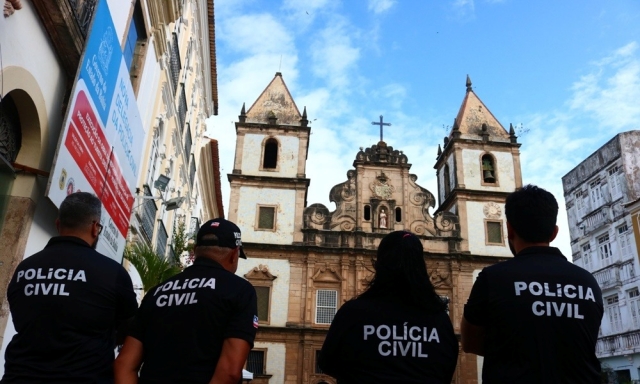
column 227, row 233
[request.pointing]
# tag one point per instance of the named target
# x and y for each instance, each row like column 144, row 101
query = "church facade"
column 306, row 260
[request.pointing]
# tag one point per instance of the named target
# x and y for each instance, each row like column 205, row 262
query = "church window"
column 447, row 180
column 264, row 295
column 398, row 214
column 267, row 217
column 488, row 169
column 256, row 362
column 367, row 212
column 326, row 305
column 270, row 160
column 494, row 232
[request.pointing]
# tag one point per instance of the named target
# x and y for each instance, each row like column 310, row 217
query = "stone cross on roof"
column 380, row 124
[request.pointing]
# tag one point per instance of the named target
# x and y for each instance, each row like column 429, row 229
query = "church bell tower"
column 268, row 182
column 478, row 166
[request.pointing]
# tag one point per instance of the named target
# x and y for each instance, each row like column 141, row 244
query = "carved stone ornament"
column 261, row 272
column 327, row 274
column 492, row 210
column 381, row 187
column 440, row 278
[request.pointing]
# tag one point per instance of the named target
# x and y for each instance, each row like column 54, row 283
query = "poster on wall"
column 99, row 148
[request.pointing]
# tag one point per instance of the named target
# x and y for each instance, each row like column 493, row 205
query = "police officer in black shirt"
column 534, row 318
column 198, row 326
column 66, row 302
column 398, row 330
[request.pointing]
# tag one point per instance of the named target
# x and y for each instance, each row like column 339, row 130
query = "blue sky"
column 565, row 73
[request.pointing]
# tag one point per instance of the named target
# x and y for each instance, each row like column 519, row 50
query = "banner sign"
column 101, row 130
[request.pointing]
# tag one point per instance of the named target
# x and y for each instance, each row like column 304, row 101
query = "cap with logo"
column 227, row 235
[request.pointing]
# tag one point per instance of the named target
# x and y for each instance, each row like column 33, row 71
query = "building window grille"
column 604, row 248
column 192, row 171
column 494, row 232
column 182, row 109
column 174, row 63
column 187, row 141
column 255, row 362
column 83, row 13
column 161, row 240
column 149, row 210
column 263, row 294
column 326, row 305
column 266, row 217
column 270, row 160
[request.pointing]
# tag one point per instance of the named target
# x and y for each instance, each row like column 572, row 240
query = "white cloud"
column 334, row 55
column 464, row 8
column 380, row 6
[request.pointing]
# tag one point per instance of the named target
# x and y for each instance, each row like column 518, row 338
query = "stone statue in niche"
column 383, row 219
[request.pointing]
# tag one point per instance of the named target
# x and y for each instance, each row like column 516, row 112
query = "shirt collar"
column 67, row 239
column 538, row 250
column 206, row 262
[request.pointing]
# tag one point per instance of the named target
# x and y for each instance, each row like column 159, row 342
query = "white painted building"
column 596, row 193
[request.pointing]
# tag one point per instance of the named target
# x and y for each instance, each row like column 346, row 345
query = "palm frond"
column 152, row 268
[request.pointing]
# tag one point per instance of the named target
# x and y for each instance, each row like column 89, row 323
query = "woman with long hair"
column 398, row 330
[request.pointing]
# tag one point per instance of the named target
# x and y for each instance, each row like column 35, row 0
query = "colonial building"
column 605, row 242
column 306, row 260
column 166, row 51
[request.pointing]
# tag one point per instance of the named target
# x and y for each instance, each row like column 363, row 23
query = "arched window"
column 447, row 180
column 367, row 212
column 398, row 214
column 488, row 169
column 270, row 160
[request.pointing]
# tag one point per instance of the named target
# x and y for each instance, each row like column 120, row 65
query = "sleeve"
column 330, row 360
column 127, row 304
column 476, row 311
column 140, row 321
column 243, row 323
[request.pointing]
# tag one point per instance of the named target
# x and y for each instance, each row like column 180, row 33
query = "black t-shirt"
column 541, row 315
column 183, row 322
column 381, row 340
column 66, row 302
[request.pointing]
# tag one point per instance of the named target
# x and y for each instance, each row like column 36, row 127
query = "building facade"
column 306, row 260
column 604, row 241
column 167, row 48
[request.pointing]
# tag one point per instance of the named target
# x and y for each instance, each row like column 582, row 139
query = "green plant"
column 152, row 268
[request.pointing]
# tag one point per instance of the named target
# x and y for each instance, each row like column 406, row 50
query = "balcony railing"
column 618, row 344
column 187, row 141
column 608, row 277
column 83, row 12
column 192, row 171
column 597, row 219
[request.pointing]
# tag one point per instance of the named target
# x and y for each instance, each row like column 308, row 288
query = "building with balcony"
column 600, row 193
column 163, row 52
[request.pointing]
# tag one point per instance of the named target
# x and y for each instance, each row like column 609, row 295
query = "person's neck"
column 521, row 245
column 83, row 236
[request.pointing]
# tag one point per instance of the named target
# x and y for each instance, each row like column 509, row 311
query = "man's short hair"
column 79, row 209
column 532, row 213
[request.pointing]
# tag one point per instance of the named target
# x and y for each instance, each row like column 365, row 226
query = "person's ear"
column 555, row 233
column 58, row 225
